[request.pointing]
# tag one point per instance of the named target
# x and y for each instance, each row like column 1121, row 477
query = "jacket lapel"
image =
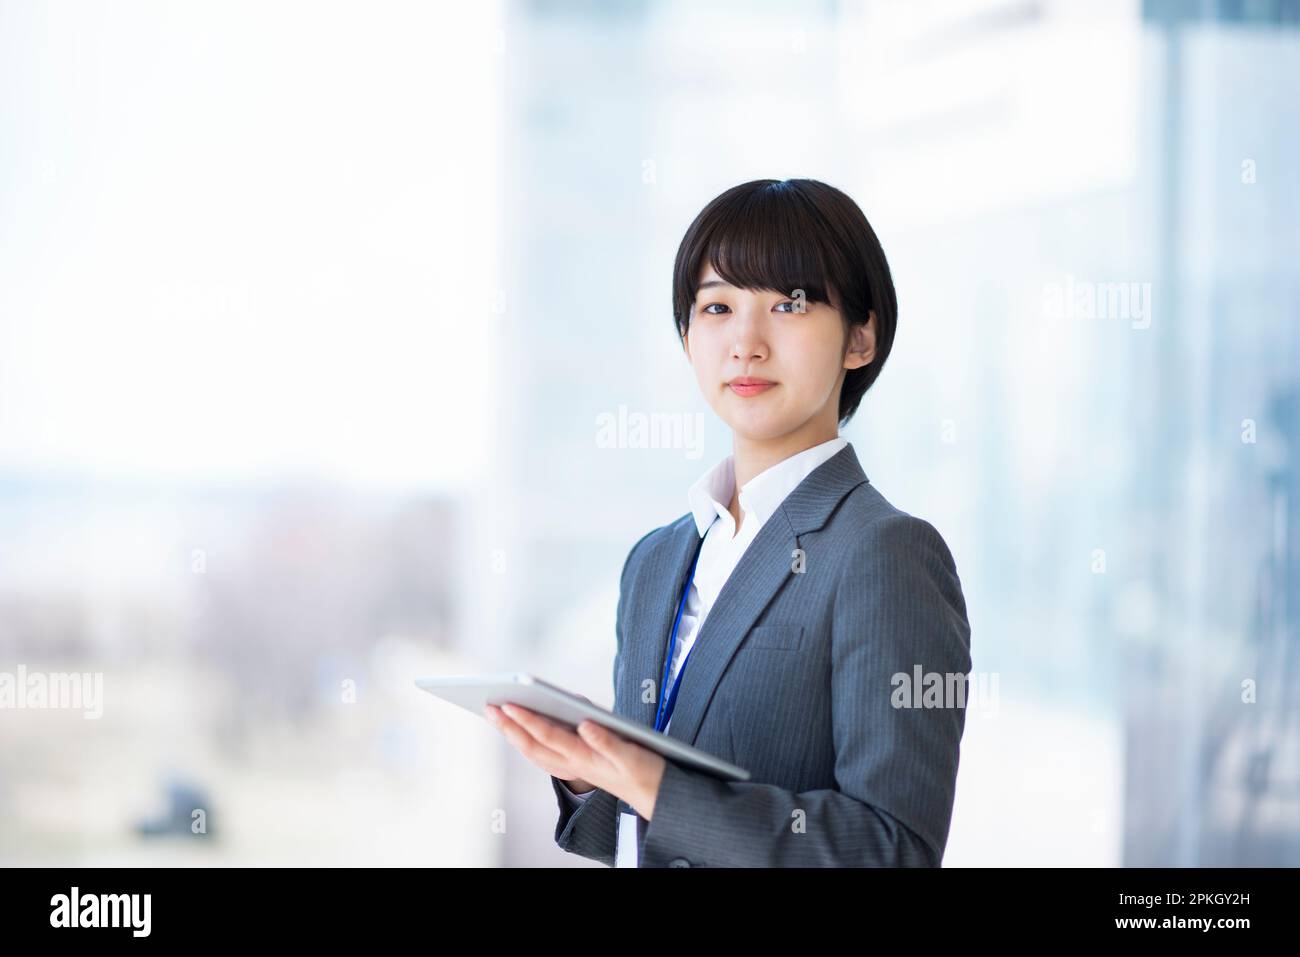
column 752, row 585
column 646, row 658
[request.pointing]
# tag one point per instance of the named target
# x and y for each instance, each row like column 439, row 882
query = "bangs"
column 767, row 240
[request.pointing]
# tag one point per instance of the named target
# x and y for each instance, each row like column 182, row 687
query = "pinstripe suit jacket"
column 794, row 676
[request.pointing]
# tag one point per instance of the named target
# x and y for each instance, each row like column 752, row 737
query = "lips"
column 749, row 385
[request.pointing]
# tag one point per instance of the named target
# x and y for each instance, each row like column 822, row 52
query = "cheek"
column 706, row 353
column 815, row 353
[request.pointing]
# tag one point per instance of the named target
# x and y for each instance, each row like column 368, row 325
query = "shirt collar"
column 710, row 495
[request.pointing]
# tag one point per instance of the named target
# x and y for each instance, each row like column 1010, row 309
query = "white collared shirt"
column 719, row 554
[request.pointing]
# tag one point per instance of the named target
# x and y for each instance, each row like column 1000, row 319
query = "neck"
column 752, row 457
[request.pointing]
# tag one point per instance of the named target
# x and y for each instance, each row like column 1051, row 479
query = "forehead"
column 709, row 280
column 708, row 274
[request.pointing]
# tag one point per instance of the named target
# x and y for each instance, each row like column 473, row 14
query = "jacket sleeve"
column 590, row 828
column 898, row 607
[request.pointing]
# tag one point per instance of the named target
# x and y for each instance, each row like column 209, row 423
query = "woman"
column 825, row 630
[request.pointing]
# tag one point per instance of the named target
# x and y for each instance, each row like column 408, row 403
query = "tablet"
column 475, row 692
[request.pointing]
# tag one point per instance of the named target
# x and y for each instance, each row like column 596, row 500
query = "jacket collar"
column 760, row 497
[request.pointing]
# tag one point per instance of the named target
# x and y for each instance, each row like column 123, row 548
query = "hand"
column 594, row 754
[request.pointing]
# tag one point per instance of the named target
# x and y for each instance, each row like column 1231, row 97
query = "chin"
column 757, row 428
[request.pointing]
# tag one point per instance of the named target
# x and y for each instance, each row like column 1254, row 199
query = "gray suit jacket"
column 794, row 676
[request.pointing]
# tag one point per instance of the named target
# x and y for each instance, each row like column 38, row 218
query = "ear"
column 686, row 343
column 862, row 343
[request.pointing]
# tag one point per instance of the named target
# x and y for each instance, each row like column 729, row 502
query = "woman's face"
column 741, row 334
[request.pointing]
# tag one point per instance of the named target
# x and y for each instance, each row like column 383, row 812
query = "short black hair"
column 792, row 234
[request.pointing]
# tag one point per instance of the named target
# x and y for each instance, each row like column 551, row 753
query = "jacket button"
column 679, row 862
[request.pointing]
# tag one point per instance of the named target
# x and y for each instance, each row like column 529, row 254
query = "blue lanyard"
column 666, row 704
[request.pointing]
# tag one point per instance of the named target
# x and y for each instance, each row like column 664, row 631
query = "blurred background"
column 314, row 317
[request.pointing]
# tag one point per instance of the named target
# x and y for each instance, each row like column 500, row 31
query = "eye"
column 710, row 306
column 788, row 302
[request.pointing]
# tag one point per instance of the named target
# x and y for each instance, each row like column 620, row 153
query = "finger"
column 606, row 744
column 552, row 734
column 624, row 757
column 527, row 745
column 526, row 716
column 559, row 739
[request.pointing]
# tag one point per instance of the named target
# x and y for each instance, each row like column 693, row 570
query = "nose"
column 749, row 338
